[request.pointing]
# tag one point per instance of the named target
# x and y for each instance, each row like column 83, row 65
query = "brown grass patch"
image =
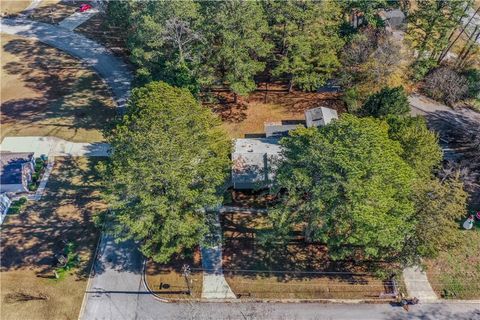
column 48, row 93
column 249, row 115
column 168, row 280
column 297, row 271
column 31, row 240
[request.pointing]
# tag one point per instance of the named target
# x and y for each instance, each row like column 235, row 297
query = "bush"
column 17, row 206
column 421, row 68
column 473, row 80
column 389, row 101
column 446, row 85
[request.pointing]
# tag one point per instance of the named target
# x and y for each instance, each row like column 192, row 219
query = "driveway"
column 112, row 69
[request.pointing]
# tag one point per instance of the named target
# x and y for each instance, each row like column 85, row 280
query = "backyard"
column 45, row 92
column 247, row 116
column 33, row 240
column 300, row 271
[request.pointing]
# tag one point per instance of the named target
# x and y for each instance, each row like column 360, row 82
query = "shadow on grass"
column 36, row 237
column 67, row 91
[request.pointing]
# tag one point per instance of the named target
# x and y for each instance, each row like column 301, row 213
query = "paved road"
column 112, row 69
column 117, row 292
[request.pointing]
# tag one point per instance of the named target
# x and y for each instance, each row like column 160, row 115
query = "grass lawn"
column 8, row 7
column 31, row 240
column 248, row 116
column 45, row 92
column 168, row 281
column 300, row 271
column 455, row 273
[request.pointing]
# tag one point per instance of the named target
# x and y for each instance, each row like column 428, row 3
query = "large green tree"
column 163, row 39
column 420, row 148
column 235, row 33
column 389, row 101
column 346, row 185
column 306, row 34
column 169, row 161
column 429, row 27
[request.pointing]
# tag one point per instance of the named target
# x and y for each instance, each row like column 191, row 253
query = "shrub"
column 473, row 80
column 446, row 85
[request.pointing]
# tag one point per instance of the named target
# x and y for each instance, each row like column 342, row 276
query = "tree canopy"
column 347, row 185
column 169, row 161
column 307, row 40
column 389, row 101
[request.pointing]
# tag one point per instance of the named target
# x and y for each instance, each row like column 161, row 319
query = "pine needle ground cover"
column 300, row 271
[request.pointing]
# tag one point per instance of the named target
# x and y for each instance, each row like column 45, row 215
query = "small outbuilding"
column 16, row 170
column 319, row 117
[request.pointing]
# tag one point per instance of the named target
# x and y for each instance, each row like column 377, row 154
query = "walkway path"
column 214, row 284
column 112, row 69
column 52, row 146
column 417, row 284
column 43, row 183
column 76, row 19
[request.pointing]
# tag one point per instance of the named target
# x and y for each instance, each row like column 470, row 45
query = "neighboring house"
column 16, row 171
column 255, row 160
column 393, row 19
column 5, row 203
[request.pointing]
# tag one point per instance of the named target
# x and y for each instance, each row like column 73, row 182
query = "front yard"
column 169, row 282
column 45, row 92
column 455, row 273
column 33, row 241
column 301, row 271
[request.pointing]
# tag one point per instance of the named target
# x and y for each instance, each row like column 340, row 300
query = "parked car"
column 85, row 7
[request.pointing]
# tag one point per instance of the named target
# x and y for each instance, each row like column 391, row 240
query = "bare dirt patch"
column 298, row 271
column 31, row 240
column 168, row 280
column 45, row 92
column 247, row 116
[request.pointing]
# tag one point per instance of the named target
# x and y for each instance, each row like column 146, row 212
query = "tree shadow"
column 69, row 98
column 35, row 238
column 459, row 134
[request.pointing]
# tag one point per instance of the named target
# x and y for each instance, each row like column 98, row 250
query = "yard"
column 168, row 281
column 15, row 6
column 32, row 240
column 455, row 273
column 45, row 92
column 301, row 271
column 247, row 116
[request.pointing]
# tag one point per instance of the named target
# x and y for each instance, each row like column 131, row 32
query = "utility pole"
column 186, row 273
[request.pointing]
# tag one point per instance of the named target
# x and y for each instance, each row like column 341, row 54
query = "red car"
column 84, row 7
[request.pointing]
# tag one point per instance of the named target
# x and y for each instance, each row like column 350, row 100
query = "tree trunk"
column 235, row 97
column 445, row 52
column 467, row 48
column 290, row 86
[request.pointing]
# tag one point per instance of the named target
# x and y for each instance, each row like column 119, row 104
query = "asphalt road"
column 117, row 292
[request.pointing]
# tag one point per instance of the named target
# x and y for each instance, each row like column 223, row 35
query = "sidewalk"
column 214, row 284
column 417, row 284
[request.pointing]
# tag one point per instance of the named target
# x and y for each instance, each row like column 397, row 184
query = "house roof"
column 281, row 128
column 11, row 164
column 320, row 116
column 254, row 161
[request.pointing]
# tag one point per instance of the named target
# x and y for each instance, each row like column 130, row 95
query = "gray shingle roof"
column 11, row 166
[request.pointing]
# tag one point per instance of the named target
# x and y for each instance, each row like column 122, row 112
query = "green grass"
column 455, row 273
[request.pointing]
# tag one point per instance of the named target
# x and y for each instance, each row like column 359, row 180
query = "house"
column 5, row 203
column 393, row 19
column 255, row 160
column 16, row 171
column 319, row 117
